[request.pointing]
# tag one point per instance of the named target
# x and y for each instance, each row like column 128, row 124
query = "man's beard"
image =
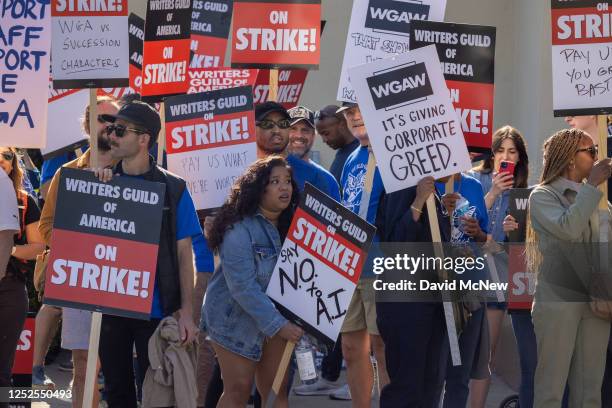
column 103, row 144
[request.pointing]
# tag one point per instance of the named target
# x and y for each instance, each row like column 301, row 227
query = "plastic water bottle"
column 305, row 361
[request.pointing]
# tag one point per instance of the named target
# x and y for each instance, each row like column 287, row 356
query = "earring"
column 573, row 165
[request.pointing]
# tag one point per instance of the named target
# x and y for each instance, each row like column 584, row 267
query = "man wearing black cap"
column 335, row 133
column 273, row 123
column 134, row 130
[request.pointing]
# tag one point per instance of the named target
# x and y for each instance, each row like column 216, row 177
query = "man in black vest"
column 134, row 130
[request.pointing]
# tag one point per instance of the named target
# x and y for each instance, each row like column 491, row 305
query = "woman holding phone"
column 508, row 167
column 247, row 332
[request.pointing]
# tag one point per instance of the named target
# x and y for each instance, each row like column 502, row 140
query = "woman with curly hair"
column 248, row 333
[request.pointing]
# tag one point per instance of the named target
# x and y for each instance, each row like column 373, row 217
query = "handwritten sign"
column 290, row 86
column 467, row 55
column 210, row 25
column 89, row 44
column 405, row 103
column 276, row 34
column 211, row 79
column 25, row 42
column 210, row 140
column 166, row 49
column 105, row 240
column 581, row 57
column 320, row 264
column 380, row 29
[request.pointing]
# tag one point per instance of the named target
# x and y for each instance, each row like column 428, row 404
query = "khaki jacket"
column 171, row 376
column 45, row 225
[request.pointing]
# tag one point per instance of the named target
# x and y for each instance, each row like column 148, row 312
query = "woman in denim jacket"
column 248, row 333
column 508, row 144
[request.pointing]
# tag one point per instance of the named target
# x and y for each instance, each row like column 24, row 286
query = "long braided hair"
column 559, row 151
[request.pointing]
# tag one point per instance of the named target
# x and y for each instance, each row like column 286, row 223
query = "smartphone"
column 506, row 167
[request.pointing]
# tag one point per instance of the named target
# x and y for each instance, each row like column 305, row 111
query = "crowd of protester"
column 398, row 352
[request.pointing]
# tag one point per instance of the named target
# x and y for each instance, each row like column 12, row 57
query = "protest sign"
column 380, row 29
column 414, row 130
column 522, row 283
column 25, row 43
column 166, row 49
column 211, row 79
column 581, row 57
column 290, row 86
column 210, row 141
column 518, row 207
column 467, row 55
column 90, row 44
column 64, row 131
column 210, row 25
column 276, row 34
column 25, row 349
column 105, row 241
column 136, row 30
column 320, row 264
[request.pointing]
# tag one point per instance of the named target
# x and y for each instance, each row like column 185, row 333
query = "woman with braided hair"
column 571, row 340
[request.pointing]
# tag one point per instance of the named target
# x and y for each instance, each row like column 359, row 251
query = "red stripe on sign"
column 581, row 26
column 89, row 8
column 473, row 103
column 199, row 134
column 55, row 94
column 102, row 271
column 208, row 51
column 331, row 249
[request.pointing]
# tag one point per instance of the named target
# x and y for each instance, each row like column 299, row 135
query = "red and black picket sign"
column 467, row 55
column 276, row 34
column 105, row 243
column 166, row 49
column 136, row 31
column 210, row 25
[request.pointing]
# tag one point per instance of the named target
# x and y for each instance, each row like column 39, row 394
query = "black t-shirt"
column 32, row 214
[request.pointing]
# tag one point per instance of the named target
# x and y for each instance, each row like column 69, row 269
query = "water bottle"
column 305, row 361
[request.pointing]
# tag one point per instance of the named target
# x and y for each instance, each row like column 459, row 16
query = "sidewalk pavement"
column 498, row 392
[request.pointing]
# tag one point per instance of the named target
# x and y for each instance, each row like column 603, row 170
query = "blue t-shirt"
column 50, row 166
column 204, row 258
column 353, row 181
column 316, row 175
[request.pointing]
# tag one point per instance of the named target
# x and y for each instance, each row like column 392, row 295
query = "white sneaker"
column 343, row 393
column 321, row 387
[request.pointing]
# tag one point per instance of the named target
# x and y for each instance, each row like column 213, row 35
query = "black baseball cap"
column 140, row 114
column 345, row 106
column 301, row 113
column 264, row 109
column 328, row 111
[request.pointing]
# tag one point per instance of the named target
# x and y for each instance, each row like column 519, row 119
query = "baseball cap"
column 301, row 113
column 264, row 109
column 345, row 106
column 140, row 114
column 328, row 111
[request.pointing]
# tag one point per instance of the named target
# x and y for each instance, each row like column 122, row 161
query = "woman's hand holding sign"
column 291, row 332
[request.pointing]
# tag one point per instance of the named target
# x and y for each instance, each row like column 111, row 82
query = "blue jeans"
column 457, row 386
column 524, row 334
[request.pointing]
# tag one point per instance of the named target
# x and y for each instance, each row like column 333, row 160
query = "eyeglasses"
column 8, row 155
column 120, row 130
column 593, row 150
column 100, row 120
column 269, row 124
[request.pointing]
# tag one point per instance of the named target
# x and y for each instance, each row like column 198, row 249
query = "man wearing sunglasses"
column 76, row 324
column 273, row 124
column 134, row 130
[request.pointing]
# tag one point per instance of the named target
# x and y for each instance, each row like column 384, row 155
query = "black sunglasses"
column 593, row 150
column 269, row 124
column 120, row 130
column 8, row 155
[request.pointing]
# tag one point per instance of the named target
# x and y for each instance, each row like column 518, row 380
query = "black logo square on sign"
column 394, row 16
column 400, row 86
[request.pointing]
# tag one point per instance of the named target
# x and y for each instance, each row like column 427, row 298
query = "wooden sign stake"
column 273, row 88
column 91, row 379
column 449, row 314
